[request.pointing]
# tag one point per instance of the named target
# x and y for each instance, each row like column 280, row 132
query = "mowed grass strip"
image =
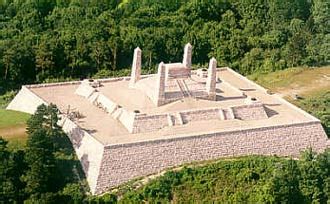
column 13, row 126
column 9, row 118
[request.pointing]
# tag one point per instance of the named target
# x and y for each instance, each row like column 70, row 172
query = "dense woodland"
column 47, row 40
column 47, row 171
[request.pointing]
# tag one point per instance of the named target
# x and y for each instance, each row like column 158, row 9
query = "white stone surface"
column 211, row 79
column 124, row 162
column 26, row 101
column 159, row 98
column 89, row 151
column 85, row 90
column 187, row 55
column 136, row 67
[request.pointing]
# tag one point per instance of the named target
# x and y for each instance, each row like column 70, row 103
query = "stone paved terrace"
column 110, row 131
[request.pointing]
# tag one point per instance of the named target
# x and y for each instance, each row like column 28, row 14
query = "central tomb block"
column 174, row 84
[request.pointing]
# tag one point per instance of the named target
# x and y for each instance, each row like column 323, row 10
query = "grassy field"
column 12, row 127
column 295, row 80
column 311, row 84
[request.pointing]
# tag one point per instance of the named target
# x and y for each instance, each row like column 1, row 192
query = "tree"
column 11, row 169
column 315, row 176
column 41, row 175
column 285, row 183
column 45, row 118
column 43, row 133
column 44, row 59
column 7, row 190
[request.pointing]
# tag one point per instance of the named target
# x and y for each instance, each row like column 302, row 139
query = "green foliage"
column 45, row 118
column 70, row 39
column 41, row 175
column 12, row 167
column 6, row 98
column 74, row 192
column 47, row 170
column 254, row 179
column 318, row 104
column 284, row 185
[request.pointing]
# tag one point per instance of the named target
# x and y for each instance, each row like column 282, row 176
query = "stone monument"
column 136, row 67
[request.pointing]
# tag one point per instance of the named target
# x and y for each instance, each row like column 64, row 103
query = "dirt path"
column 13, row 132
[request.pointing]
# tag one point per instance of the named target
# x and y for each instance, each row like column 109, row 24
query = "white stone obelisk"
column 187, row 56
column 160, row 86
column 136, row 67
column 211, row 79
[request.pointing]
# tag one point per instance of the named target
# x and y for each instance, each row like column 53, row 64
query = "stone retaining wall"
column 148, row 123
column 121, row 163
column 250, row 112
column 88, row 150
column 198, row 115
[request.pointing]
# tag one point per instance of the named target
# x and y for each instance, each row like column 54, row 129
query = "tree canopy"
column 44, row 40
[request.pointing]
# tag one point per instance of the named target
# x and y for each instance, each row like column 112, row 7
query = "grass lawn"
column 295, row 80
column 12, row 127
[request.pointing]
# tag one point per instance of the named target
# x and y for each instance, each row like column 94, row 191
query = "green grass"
column 316, row 103
column 12, row 127
column 10, row 118
column 293, row 77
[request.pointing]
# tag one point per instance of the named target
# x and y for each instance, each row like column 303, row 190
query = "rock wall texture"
column 121, row 163
column 147, row 123
column 26, row 101
column 250, row 112
column 88, row 150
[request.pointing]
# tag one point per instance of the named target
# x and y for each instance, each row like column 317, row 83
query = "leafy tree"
column 315, row 176
column 11, row 169
column 285, row 183
column 41, row 175
column 7, row 190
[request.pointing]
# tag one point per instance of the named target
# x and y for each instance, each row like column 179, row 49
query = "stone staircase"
column 183, row 88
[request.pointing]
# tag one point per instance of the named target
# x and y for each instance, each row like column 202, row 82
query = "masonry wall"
column 88, row 150
column 198, row 115
column 147, row 123
column 121, row 163
column 250, row 112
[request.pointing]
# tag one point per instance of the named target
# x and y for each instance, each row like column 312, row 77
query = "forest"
column 47, row 40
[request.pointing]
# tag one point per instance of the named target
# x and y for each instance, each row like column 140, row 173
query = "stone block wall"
column 88, row 150
column 177, row 72
column 121, row 163
column 139, row 123
column 198, row 115
column 250, row 112
column 148, row 123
